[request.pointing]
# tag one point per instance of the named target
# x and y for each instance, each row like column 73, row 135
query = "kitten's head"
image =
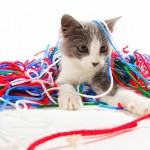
column 85, row 42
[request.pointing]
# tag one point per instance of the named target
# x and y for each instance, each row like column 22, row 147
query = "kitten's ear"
column 68, row 23
column 111, row 23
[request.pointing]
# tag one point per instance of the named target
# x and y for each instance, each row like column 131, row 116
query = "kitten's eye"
column 104, row 49
column 83, row 49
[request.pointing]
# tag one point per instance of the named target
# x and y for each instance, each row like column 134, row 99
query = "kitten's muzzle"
column 95, row 64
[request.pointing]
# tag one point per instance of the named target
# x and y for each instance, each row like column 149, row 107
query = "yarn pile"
column 126, row 77
column 32, row 84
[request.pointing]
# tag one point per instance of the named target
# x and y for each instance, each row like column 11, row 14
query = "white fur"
column 95, row 52
column 72, row 73
column 75, row 71
column 67, row 99
column 81, row 70
column 131, row 101
column 94, row 57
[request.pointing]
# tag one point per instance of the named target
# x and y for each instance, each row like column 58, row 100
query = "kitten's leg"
column 67, row 99
column 131, row 101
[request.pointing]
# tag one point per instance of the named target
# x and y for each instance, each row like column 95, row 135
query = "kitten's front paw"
column 69, row 101
column 142, row 108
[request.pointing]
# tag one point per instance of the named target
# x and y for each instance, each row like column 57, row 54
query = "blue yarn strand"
column 108, row 38
column 110, row 107
column 2, row 107
column 37, row 61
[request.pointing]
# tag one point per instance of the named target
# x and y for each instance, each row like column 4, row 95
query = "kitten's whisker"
column 115, row 70
column 104, row 68
column 113, row 65
column 117, row 65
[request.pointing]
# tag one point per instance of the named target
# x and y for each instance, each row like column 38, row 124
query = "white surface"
column 19, row 128
column 26, row 27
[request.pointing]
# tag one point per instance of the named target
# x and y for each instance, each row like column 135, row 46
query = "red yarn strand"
column 128, row 125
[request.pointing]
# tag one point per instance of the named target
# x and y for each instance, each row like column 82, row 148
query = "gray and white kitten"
column 85, row 50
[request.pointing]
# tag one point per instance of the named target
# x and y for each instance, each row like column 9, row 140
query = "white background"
column 27, row 26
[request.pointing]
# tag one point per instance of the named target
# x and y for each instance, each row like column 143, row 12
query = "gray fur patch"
column 76, row 38
column 76, row 34
column 101, row 83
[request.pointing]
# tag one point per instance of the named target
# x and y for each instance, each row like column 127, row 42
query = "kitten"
column 85, row 50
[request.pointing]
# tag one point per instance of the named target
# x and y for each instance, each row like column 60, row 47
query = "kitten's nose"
column 95, row 64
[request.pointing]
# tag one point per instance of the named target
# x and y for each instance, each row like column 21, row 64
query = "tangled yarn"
column 128, row 79
column 32, row 84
